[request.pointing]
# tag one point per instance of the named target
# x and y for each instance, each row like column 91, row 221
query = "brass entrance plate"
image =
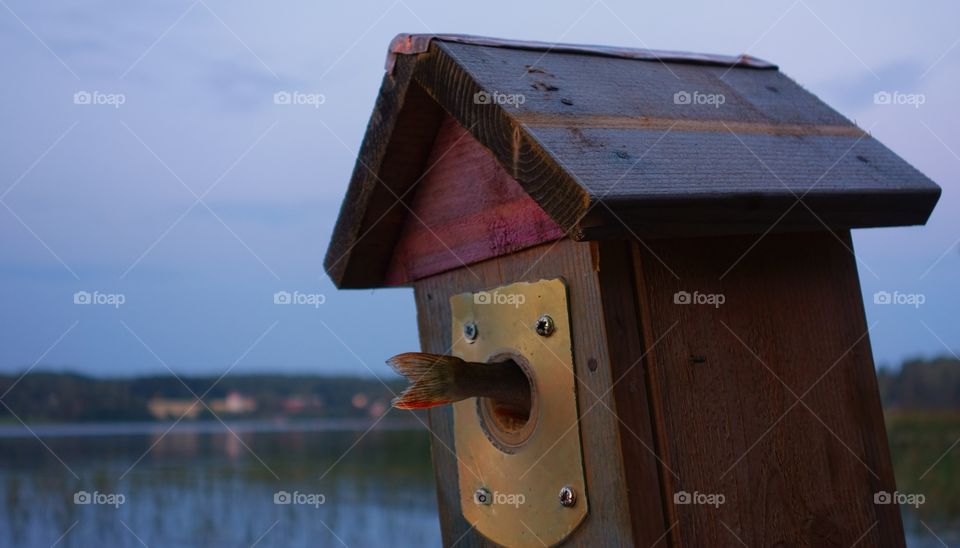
column 521, row 484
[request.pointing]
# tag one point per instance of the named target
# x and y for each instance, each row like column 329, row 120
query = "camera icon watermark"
column 495, row 297
column 483, row 497
column 99, row 98
column 696, row 98
column 707, row 499
column 912, row 299
column 310, row 299
column 299, row 98
column 497, row 98
column 298, row 498
column 711, row 299
column 98, row 498
column 111, row 299
column 911, row 499
column 899, row 98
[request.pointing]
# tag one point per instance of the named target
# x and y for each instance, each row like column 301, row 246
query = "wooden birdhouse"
column 662, row 241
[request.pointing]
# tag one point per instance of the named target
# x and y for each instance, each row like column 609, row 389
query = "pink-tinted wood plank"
column 465, row 209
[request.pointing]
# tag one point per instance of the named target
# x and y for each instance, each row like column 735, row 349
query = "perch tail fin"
column 431, row 379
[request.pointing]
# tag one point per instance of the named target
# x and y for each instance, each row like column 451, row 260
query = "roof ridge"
column 412, row 44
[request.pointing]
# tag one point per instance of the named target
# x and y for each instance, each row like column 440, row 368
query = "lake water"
column 200, row 485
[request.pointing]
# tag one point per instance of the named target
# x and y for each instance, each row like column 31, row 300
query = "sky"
column 145, row 166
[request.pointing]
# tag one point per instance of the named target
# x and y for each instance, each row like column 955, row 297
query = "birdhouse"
column 661, row 241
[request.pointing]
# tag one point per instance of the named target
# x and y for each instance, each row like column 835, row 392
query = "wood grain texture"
column 605, row 148
column 744, row 213
column 632, row 88
column 609, row 520
column 617, row 127
column 629, row 164
column 627, row 346
column 540, row 174
column 648, row 123
column 724, row 383
column 412, row 44
column 393, row 154
column 465, row 209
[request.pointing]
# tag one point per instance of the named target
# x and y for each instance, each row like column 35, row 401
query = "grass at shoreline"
column 926, row 460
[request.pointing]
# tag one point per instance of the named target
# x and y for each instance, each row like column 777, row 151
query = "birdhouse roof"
column 618, row 143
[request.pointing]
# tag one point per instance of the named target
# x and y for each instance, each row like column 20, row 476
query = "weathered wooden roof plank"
column 664, row 143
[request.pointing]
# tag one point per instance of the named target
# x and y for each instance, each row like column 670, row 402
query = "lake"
column 319, row 483
column 199, row 485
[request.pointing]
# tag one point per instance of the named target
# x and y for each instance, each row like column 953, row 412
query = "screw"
column 470, row 331
column 482, row 496
column 568, row 497
column 545, row 326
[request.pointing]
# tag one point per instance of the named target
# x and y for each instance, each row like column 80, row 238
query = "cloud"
column 235, row 85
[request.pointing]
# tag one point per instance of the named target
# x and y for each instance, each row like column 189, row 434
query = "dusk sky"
column 190, row 196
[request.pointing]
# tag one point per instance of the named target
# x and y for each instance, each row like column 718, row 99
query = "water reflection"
column 203, row 487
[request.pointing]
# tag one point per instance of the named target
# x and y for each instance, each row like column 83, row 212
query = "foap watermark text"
column 912, row 499
column 711, row 299
column 98, row 498
column 303, row 499
column 708, row 499
column 99, row 98
column 910, row 299
column 310, row 299
column 486, row 498
column 899, row 98
column 497, row 98
column 698, row 98
column 299, row 98
column 96, row 297
column 496, row 297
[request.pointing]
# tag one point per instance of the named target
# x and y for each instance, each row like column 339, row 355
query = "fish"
column 437, row 379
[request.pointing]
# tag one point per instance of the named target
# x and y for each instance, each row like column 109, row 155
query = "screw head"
column 545, row 326
column 568, row 497
column 482, row 496
column 470, row 331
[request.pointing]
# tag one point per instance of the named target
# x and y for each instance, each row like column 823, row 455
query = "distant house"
column 235, row 403
column 377, row 409
column 162, row 408
column 359, row 400
column 293, row 405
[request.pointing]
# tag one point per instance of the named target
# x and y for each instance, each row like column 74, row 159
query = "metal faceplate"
column 518, row 476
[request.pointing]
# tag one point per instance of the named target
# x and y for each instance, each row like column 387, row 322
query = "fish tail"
column 431, row 379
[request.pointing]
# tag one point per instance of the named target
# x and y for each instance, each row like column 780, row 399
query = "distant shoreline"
column 140, row 428
column 55, row 398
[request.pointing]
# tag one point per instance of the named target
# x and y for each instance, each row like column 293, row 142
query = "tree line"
column 923, row 385
column 72, row 397
column 927, row 385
